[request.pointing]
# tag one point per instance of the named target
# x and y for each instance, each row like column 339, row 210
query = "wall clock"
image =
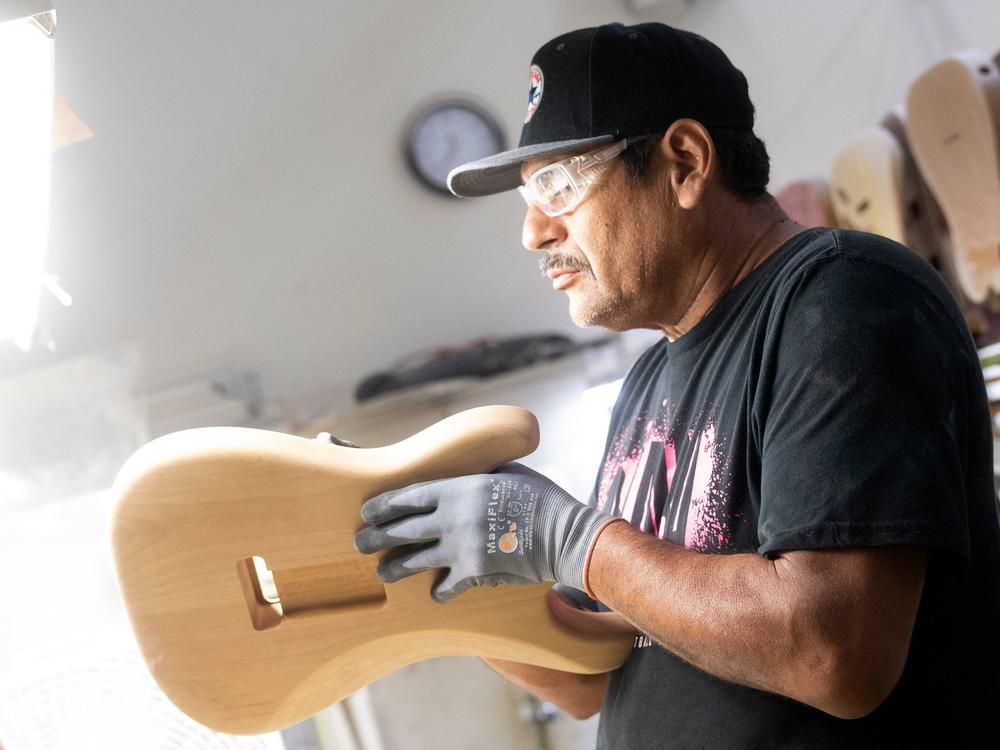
column 447, row 133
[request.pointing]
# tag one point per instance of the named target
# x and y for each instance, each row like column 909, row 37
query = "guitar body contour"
column 866, row 185
column 234, row 554
column 953, row 124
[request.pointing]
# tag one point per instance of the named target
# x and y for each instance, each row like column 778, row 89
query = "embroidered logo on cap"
column 535, row 83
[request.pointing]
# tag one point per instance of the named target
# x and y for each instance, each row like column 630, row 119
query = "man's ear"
column 690, row 153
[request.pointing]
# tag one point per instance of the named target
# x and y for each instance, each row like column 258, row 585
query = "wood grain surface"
column 235, row 559
column 953, row 124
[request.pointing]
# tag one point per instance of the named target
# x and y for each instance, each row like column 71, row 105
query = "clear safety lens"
column 554, row 188
column 561, row 186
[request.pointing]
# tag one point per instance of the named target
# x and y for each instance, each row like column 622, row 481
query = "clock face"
column 447, row 134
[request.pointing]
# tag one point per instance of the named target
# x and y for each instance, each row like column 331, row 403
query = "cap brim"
column 502, row 171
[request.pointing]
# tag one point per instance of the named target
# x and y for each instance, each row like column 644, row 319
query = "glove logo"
column 508, row 541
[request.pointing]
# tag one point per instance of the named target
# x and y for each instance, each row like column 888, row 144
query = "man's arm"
column 829, row 628
column 579, row 695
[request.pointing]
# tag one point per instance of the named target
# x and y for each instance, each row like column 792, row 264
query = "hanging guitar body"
column 235, row 559
column 866, row 185
column 953, row 124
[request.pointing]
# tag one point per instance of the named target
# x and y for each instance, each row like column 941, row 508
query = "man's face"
column 611, row 255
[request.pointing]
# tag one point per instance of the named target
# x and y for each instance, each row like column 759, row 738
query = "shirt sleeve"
column 864, row 411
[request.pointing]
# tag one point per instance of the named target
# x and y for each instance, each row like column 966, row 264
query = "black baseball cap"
column 597, row 85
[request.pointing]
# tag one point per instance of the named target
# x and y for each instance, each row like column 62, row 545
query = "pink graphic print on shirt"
column 668, row 490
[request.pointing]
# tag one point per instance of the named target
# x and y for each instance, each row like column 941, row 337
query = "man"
column 796, row 503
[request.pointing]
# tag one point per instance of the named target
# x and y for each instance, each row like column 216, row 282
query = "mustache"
column 555, row 260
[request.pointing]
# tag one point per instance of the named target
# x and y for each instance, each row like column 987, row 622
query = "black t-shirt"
column 833, row 398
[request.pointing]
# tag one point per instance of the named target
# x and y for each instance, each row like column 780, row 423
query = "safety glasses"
column 559, row 187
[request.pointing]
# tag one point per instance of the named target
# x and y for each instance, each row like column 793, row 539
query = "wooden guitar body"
column 927, row 234
column 878, row 187
column 953, row 124
column 866, row 185
column 234, row 554
column 925, row 226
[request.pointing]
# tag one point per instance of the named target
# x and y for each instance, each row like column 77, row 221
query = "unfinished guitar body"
column 953, row 124
column 866, row 185
column 925, row 228
column 927, row 234
column 235, row 559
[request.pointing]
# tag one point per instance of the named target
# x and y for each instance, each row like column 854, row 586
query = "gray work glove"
column 510, row 526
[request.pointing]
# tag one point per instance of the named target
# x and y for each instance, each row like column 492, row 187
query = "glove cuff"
column 571, row 530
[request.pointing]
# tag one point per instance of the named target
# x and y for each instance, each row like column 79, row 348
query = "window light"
column 26, row 97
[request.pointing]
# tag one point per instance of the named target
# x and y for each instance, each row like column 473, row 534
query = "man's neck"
column 740, row 245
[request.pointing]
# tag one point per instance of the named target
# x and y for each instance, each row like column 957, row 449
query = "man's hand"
column 510, row 526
